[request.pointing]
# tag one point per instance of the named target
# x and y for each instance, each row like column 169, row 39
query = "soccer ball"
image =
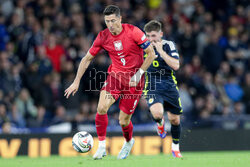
column 82, row 142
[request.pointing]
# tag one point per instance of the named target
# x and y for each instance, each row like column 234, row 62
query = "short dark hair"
column 112, row 9
column 153, row 25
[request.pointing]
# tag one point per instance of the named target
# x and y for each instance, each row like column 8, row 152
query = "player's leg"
column 101, row 121
column 127, row 129
column 127, row 107
column 157, row 111
column 175, row 132
column 126, row 124
column 155, row 104
column 108, row 95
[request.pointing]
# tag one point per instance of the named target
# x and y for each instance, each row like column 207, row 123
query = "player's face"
column 113, row 23
column 154, row 36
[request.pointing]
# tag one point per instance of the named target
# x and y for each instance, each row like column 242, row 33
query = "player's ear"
column 161, row 34
column 120, row 18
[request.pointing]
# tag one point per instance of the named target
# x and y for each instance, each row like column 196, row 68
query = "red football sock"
column 101, row 123
column 128, row 131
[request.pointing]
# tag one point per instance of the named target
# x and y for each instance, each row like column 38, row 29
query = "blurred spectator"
column 32, row 79
column 209, row 83
column 227, row 112
column 25, row 105
column 3, row 114
column 233, row 89
column 234, row 51
column 44, row 64
column 82, row 116
column 56, row 88
column 87, row 112
column 221, row 95
column 16, row 79
column 16, row 117
column 6, row 7
column 6, row 128
column 3, row 33
column 203, row 38
column 196, row 64
column 60, row 116
column 239, row 109
column 29, row 40
column 212, row 54
column 199, row 103
column 224, row 70
column 10, row 50
column 39, row 120
column 43, row 93
column 187, row 43
column 206, row 112
column 55, row 52
column 10, row 80
column 68, row 77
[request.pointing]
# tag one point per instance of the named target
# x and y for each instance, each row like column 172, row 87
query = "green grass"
column 190, row 159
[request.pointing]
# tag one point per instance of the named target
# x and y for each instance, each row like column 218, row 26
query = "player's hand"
column 158, row 46
column 72, row 89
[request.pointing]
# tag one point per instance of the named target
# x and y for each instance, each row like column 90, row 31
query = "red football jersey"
column 124, row 49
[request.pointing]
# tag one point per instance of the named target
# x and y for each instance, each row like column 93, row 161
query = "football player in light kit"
column 125, row 44
column 161, row 90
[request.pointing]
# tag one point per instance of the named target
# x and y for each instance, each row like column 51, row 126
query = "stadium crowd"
column 43, row 41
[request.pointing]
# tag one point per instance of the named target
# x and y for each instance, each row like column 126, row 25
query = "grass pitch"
column 190, row 159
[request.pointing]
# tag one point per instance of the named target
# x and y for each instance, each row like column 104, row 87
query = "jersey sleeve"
column 140, row 38
column 96, row 46
column 172, row 50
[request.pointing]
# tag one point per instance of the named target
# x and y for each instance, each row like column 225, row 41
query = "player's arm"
column 147, row 62
column 95, row 48
column 141, row 40
column 149, row 59
column 84, row 64
column 171, row 61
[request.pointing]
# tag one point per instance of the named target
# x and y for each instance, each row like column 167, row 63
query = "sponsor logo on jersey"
column 118, row 45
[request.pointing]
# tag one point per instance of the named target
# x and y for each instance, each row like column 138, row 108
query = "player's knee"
column 124, row 122
column 175, row 121
column 157, row 115
column 102, row 109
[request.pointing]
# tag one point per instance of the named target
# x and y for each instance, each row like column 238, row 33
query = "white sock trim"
column 175, row 147
column 102, row 143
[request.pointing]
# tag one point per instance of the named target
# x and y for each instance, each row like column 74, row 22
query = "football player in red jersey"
column 125, row 44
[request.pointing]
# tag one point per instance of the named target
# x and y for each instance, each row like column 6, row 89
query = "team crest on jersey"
column 118, row 45
column 151, row 100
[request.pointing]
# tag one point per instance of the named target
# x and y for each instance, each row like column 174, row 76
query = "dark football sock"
column 176, row 132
